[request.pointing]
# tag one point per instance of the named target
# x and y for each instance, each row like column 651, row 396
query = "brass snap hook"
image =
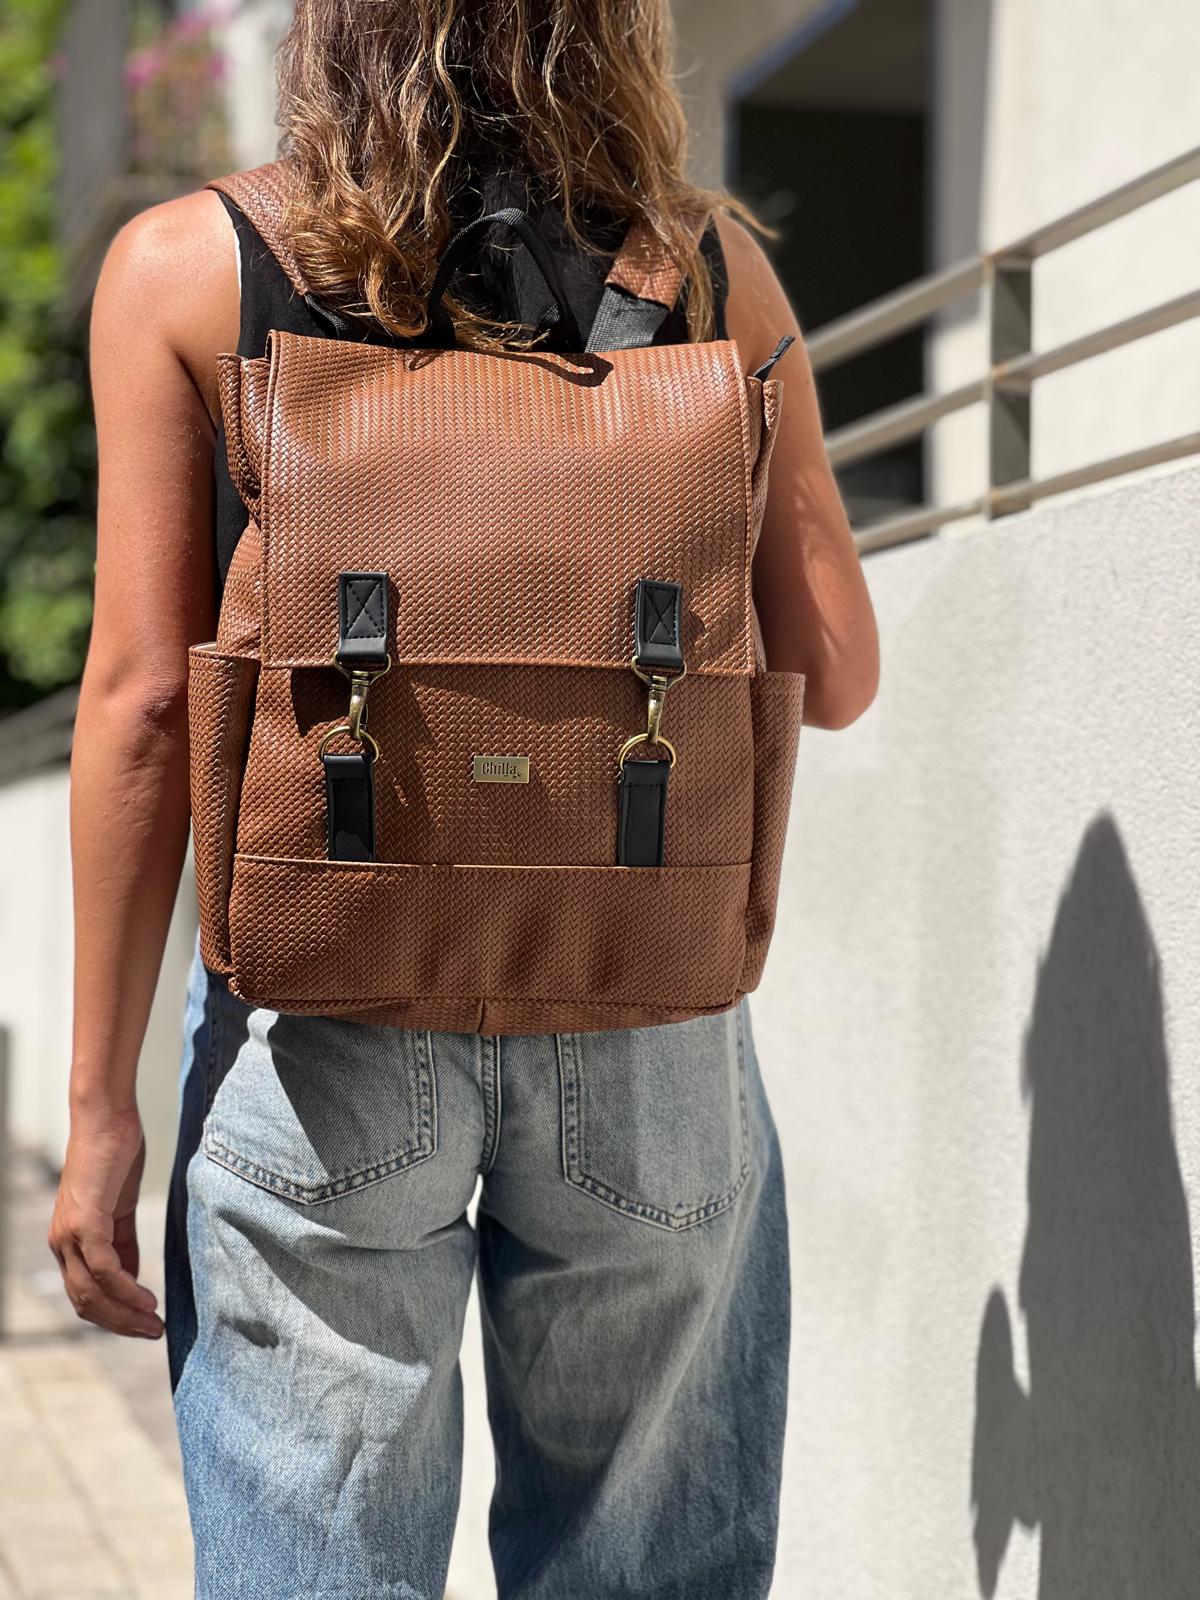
column 355, row 725
column 658, row 683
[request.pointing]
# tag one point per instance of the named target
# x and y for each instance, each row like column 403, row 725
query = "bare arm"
column 166, row 302
column 809, row 589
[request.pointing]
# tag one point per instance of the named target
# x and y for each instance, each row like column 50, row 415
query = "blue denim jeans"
column 631, row 1247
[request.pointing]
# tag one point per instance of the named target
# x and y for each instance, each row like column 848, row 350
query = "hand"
column 93, row 1232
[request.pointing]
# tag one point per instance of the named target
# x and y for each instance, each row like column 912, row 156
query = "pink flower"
column 143, row 66
column 192, row 25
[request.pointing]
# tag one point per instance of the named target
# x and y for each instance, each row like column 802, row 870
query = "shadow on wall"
column 1103, row 1453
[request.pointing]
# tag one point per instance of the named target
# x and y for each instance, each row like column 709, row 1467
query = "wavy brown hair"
column 387, row 104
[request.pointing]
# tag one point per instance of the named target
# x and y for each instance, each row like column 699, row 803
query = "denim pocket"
column 316, row 1107
column 654, row 1119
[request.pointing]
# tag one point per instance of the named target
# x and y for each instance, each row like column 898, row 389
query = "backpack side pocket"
column 220, row 707
column 776, row 704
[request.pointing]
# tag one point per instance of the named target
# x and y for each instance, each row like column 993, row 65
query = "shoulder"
column 747, row 263
column 184, row 241
column 171, row 275
column 758, row 311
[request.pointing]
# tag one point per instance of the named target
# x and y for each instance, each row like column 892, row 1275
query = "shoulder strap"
column 262, row 194
column 641, row 289
column 640, row 292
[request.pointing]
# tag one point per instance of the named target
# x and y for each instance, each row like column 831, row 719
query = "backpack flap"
column 514, row 501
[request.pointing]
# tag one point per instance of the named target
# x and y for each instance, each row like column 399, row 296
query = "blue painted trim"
column 744, row 82
column 805, row 33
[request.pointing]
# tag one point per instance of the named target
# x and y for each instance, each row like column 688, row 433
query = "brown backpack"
column 485, row 741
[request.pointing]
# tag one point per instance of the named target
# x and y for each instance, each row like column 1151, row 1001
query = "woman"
column 636, row 1373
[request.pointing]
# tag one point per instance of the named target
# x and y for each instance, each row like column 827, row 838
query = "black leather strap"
column 350, row 804
column 362, row 619
column 658, row 629
column 641, row 837
column 623, row 322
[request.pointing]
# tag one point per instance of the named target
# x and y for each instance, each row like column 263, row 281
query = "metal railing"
column 1006, row 277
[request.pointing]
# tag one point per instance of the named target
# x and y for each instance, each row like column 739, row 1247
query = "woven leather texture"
column 644, row 269
column 242, row 387
column 262, row 193
column 514, row 499
column 220, row 697
column 239, row 628
column 430, row 722
column 767, row 413
column 311, row 934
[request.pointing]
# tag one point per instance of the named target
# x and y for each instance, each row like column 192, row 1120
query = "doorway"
column 829, row 137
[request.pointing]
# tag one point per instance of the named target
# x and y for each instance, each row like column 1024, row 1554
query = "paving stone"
column 156, row 1549
column 51, row 1561
column 90, row 1508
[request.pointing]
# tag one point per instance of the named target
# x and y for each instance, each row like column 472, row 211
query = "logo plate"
column 500, row 769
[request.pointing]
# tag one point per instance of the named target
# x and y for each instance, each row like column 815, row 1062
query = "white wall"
column 35, row 979
column 980, row 1026
column 250, row 37
column 978, row 1030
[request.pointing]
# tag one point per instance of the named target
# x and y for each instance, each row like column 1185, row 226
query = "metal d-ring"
column 662, row 742
column 362, row 736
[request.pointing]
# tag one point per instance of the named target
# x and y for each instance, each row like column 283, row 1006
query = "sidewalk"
column 91, row 1485
column 91, row 1493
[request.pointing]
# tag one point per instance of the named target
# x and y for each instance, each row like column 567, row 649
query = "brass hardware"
column 362, row 736
column 658, row 684
column 499, row 769
column 654, row 708
column 360, row 686
column 669, row 679
column 355, row 725
column 640, row 738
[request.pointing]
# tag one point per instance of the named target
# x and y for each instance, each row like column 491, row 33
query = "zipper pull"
column 781, row 349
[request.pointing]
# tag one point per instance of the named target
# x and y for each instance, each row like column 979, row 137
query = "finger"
column 125, row 1242
column 107, row 1268
column 94, row 1304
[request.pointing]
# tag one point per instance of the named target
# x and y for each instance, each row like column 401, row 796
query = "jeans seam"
column 574, row 1155
column 314, row 1194
column 213, row 1013
column 349, row 1180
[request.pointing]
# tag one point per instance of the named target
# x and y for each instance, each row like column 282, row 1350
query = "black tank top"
column 505, row 284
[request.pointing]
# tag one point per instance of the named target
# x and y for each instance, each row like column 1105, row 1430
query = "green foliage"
column 173, row 80
column 47, row 449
